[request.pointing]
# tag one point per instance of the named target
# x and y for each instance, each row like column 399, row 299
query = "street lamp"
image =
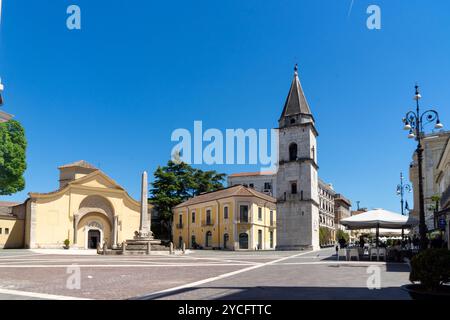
column 401, row 189
column 1, row 92
column 414, row 123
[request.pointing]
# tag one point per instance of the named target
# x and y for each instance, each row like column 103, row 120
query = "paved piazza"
column 197, row 275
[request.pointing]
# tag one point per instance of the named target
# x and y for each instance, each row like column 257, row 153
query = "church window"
column 294, row 188
column 293, row 152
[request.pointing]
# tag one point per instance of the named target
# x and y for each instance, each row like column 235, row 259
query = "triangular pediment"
column 97, row 179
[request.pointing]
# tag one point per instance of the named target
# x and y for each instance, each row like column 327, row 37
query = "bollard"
column 183, row 248
column 171, row 248
column 124, row 247
column 149, row 247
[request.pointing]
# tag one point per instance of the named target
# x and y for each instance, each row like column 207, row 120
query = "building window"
column 6, row 231
column 225, row 212
column 1, row 231
column 193, row 241
column 271, row 217
column 180, row 220
column 180, row 242
column 243, row 213
column 293, row 152
column 294, row 187
column 243, row 241
column 252, row 185
column 259, row 214
column 292, row 121
column 208, row 217
column 267, row 186
column 193, row 216
column 301, row 194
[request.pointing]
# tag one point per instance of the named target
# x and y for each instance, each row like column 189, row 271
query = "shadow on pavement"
column 289, row 293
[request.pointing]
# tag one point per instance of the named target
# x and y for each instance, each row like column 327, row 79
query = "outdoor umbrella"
column 379, row 218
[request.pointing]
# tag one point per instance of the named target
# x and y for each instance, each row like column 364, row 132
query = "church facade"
column 88, row 209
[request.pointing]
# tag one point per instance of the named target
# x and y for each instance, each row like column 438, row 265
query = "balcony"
column 179, row 226
column 206, row 223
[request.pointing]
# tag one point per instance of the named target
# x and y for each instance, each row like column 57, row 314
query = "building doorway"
column 93, row 239
column 226, row 238
column 208, row 240
column 260, row 239
column 243, row 241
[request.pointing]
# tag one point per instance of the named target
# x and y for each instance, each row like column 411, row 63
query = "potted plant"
column 66, row 244
column 431, row 269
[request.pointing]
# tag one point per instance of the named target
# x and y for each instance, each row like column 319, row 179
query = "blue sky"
column 113, row 92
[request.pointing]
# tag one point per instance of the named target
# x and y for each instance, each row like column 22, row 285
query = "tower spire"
column 296, row 103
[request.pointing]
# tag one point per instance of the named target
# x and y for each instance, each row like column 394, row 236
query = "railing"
column 240, row 220
column 206, row 223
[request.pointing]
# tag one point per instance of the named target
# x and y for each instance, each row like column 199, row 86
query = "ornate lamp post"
column 401, row 189
column 414, row 123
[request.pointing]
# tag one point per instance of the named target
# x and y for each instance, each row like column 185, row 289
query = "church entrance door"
column 93, row 239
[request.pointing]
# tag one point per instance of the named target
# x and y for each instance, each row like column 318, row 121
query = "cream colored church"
column 89, row 208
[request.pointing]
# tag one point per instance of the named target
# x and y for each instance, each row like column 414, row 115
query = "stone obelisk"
column 145, row 225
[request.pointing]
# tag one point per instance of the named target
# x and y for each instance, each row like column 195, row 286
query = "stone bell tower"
column 297, row 178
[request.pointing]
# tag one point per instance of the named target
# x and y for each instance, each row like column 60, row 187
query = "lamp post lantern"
column 414, row 122
column 401, row 189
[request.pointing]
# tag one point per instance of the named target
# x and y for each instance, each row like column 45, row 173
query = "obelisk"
column 145, row 225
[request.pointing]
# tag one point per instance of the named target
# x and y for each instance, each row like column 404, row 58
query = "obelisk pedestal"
column 143, row 239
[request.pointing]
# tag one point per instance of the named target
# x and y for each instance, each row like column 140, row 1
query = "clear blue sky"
column 113, row 92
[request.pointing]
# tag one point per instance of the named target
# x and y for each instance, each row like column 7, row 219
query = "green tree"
column 342, row 234
column 13, row 146
column 177, row 182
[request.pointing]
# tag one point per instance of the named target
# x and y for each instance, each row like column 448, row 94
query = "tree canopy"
column 176, row 182
column 13, row 146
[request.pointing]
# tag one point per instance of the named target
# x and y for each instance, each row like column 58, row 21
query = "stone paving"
column 198, row 275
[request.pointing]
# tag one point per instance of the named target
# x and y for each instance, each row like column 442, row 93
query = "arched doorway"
column 243, row 241
column 208, row 239
column 95, row 213
column 94, row 238
column 94, row 228
column 226, row 238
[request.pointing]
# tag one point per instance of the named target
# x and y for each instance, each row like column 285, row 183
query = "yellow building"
column 236, row 218
column 89, row 208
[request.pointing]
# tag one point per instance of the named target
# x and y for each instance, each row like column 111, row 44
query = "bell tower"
column 297, row 178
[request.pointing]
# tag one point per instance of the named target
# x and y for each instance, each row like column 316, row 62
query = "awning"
column 379, row 218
